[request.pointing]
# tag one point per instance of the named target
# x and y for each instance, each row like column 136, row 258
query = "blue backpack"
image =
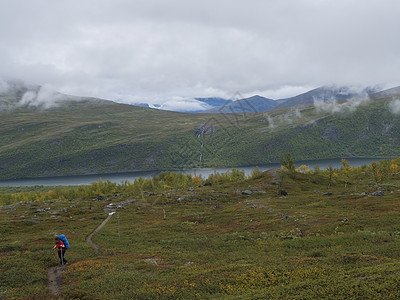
column 65, row 241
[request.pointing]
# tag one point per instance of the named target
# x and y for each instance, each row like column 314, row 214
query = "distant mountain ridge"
column 325, row 94
column 252, row 104
column 14, row 93
column 214, row 101
column 392, row 92
column 256, row 104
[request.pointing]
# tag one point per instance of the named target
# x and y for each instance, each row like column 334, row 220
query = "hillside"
column 175, row 237
column 99, row 136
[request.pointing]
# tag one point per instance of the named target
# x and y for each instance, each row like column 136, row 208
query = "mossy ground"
column 213, row 242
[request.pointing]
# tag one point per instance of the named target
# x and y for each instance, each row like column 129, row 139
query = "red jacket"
column 60, row 245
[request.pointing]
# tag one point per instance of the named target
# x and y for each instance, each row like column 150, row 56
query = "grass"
column 213, row 243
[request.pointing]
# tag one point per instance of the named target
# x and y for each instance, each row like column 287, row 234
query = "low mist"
column 16, row 94
column 287, row 118
column 395, row 106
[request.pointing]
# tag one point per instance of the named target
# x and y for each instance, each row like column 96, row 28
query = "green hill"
column 83, row 136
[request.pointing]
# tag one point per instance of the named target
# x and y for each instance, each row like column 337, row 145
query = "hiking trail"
column 55, row 279
column 55, row 273
column 89, row 237
column 110, row 209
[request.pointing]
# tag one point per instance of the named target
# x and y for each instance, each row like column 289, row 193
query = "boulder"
column 282, row 193
column 378, row 193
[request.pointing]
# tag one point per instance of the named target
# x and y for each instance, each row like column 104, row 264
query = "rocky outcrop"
column 331, row 132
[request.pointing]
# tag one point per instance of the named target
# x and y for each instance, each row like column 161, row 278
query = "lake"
column 131, row 176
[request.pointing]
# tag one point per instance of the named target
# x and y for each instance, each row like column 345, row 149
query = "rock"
column 378, row 193
column 282, row 193
column 217, row 207
column 247, row 192
column 40, row 210
column 327, row 194
column 33, row 220
column 345, row 220
column 331, row 132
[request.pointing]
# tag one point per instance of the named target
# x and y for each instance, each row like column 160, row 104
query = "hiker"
column 61, row 250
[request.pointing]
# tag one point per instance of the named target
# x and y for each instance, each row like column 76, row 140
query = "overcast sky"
column 167, row 50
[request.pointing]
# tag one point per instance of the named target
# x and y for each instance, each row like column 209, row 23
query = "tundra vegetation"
column 335, row 235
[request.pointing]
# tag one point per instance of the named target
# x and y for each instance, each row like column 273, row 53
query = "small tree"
column 376, row 173
column 331, row 172
column 345, row 171
column 303, row 169
column 287, row 162
column 317, row 169
column 394, row 168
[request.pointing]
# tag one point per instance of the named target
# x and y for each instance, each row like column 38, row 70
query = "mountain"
column 252, row 104
column 87, row 135
column 214, row 101
column 393, row 92
column 15, row 94
column 325, row 94
column 141, row 104
column 12, row 93
column 195, row 105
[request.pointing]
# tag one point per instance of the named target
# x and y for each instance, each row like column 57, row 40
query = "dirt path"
column 55, row 273
column 55, row 280
column 89, row 237
column 110, row 209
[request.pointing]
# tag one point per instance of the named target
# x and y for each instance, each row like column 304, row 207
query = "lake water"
column 131, row 176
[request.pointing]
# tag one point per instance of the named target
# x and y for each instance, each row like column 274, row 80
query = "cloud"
column 21, row 94
column 287, row 118
column 328, row 103
column 333, row 106
column 181, row 104
column 43, row 98
column 4, row 86
column 154, row 49
column 394, row 106
column 285, row 91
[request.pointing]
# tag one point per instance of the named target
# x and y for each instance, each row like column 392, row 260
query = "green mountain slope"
column 98, row 136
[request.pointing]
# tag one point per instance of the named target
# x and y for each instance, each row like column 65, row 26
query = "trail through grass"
column 228, row 240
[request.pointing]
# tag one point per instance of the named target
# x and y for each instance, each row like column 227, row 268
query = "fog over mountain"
column 168, row 52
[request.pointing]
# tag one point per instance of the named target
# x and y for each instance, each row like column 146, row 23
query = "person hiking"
column 61, row 250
